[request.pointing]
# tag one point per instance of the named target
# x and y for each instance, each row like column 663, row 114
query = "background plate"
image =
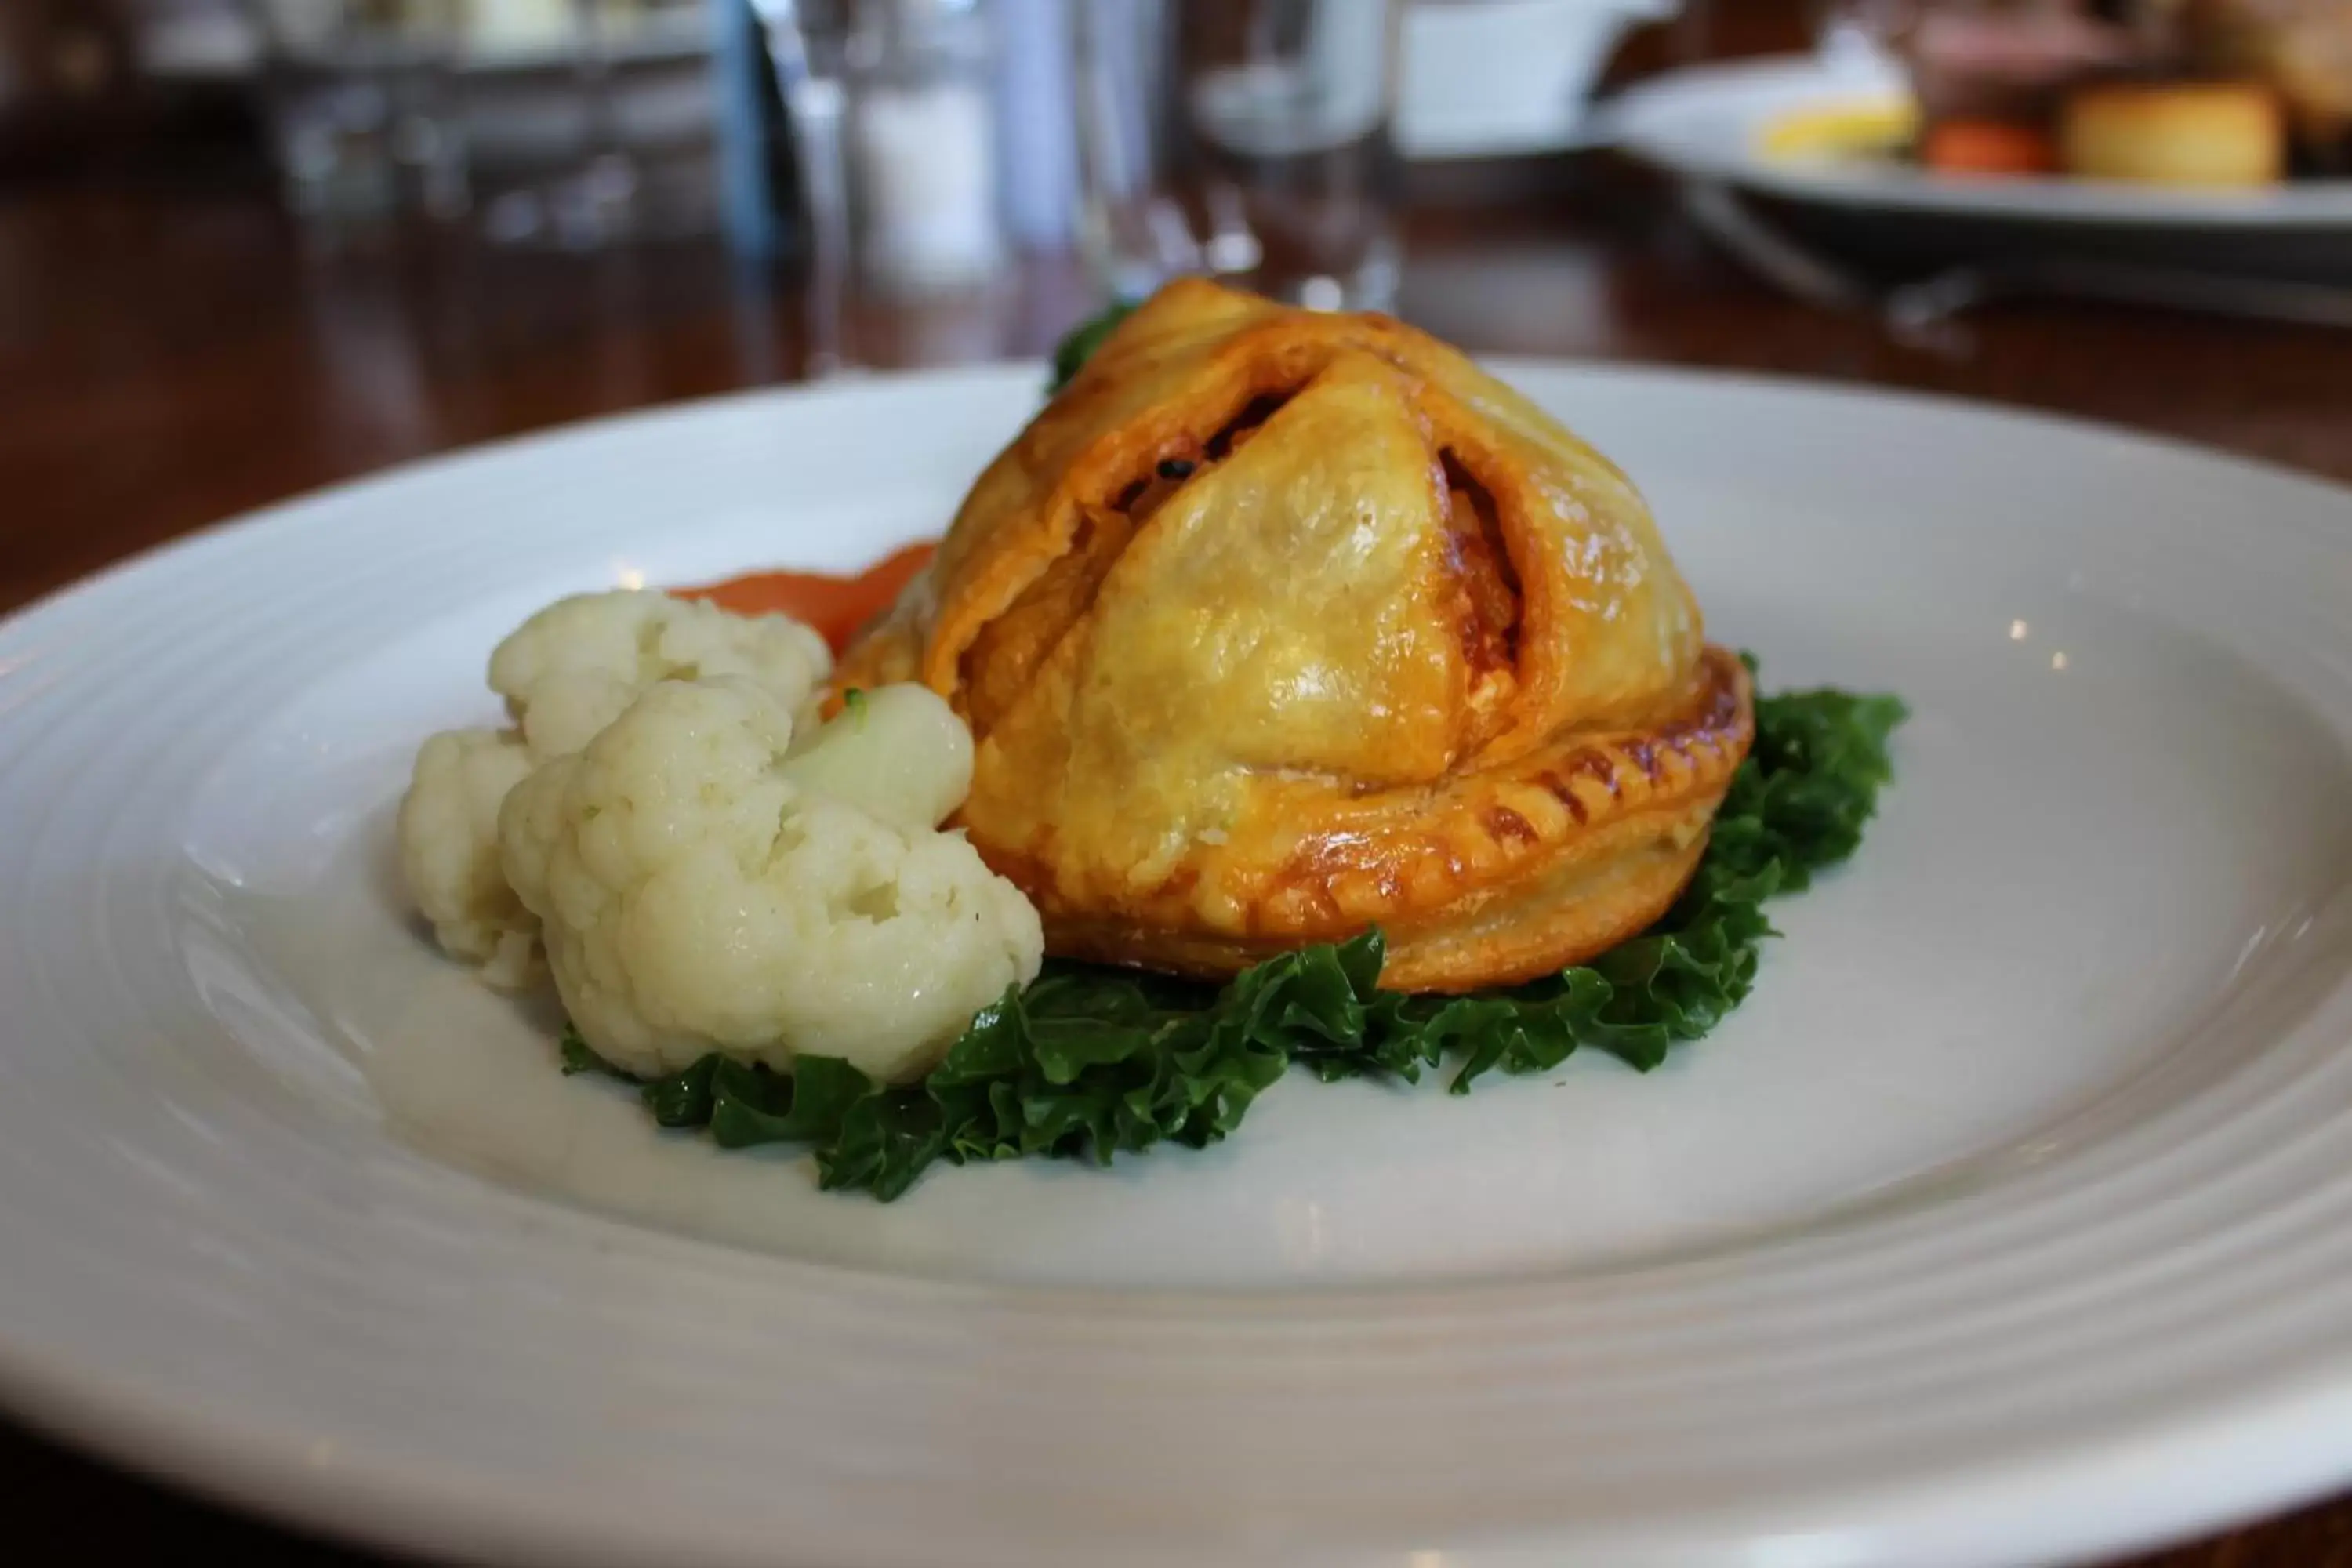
column 2008, row 1220
column 1705, row 123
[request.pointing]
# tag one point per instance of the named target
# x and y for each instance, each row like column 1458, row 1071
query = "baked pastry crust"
column 1275, row 625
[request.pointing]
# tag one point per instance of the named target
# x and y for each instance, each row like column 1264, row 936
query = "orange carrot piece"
column 1988, row 147
column 838, row 607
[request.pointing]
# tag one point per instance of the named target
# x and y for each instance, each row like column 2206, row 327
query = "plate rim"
column 187, row 1448
column 273, row 1479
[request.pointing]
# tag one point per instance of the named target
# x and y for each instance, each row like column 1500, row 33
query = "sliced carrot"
column 1988, row 147
column 838, row 607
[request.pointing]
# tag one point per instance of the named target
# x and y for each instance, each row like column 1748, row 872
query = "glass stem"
column 607, row 157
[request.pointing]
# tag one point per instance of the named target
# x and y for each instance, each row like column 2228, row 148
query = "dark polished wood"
column 166, row 363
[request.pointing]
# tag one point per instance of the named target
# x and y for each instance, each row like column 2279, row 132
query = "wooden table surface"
column 167, row 361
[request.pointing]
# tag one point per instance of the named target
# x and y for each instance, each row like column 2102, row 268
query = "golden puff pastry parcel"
column 1275, row 625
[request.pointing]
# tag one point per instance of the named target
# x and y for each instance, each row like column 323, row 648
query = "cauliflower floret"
column 570, row 669
column 700, row 891
column 896, row 752
column 449, row 850
column 566, row 673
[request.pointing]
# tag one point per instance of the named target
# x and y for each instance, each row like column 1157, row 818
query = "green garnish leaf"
column 579, row 1056
column 1092, row 1063
column 684, row 1099
column 756, row 1105
column 852, row 702
column 1079, row 344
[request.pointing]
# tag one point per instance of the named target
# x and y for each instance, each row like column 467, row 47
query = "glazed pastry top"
column 1265, row 622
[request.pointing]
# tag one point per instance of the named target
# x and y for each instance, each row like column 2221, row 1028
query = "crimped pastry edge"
column 1622, row 826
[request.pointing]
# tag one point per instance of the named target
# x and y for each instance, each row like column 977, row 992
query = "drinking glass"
column 362, row 109
column 1249, row 140
column 894, row 121
column 605, row 192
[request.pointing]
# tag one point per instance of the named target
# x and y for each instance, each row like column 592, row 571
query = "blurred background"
column 252, row 247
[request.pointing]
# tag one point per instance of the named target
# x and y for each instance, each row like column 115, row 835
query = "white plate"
column 2012, row 1218
column 1706, row 121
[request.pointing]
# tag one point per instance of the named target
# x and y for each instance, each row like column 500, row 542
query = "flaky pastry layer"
column 1276, row 625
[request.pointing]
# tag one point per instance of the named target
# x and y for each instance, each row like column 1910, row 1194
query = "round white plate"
column 1707, row 122
column 2012, row 1218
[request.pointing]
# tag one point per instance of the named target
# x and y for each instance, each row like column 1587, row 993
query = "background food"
column 2007, row 61
column 2300, row 48
column 2213, row 93
column 1988, row 147
column 2187, row 133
